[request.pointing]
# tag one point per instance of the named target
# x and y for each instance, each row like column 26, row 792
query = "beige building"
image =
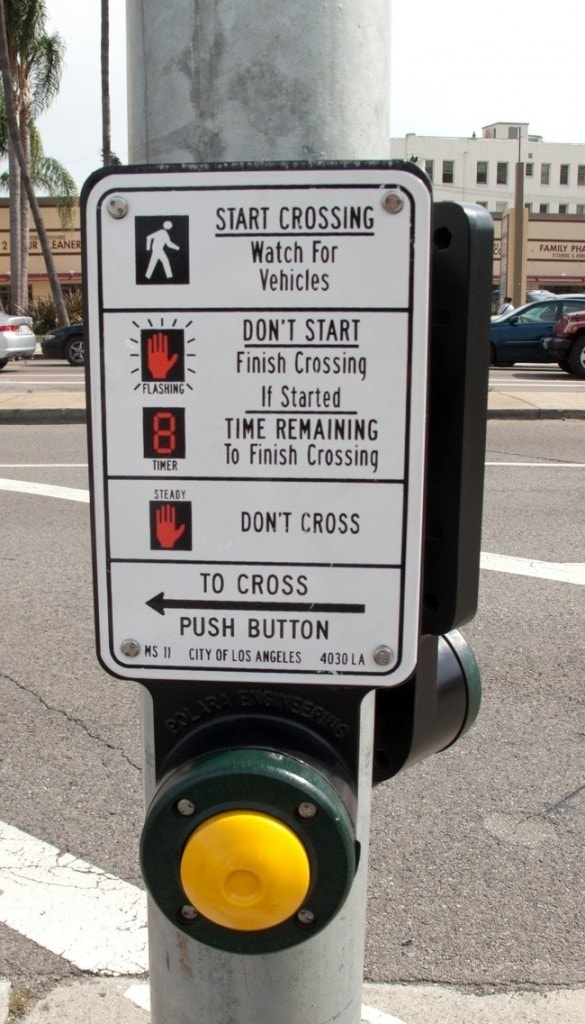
column 478, row 170
column 65, row 245
column 481, row 169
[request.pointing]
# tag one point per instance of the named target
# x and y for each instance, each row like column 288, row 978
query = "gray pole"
column 260, row 80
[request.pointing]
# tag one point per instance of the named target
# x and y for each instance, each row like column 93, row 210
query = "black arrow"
column 160, row 603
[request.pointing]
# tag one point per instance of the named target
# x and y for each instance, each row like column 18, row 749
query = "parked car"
column 567, row 344
column 65, row 343
column 17, row 338
column 517, row 336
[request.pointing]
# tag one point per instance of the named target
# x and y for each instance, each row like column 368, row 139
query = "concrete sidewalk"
column 126, row 1001
column 62, row 407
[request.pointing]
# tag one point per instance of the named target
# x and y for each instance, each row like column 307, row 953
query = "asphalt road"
column 476, row 861
column 46, row 375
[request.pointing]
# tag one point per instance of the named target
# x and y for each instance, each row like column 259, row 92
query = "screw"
column 392, row 202
column 130, row 648
column 306, row 917
column 383, row 655
column 117, row 207
column 185, row 807
column 188, row 912
column 306, row 810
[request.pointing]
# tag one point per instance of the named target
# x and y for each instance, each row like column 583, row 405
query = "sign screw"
column 383, row 655
column 306, row 810
column 306, row 917
column 185, row 807
column 130, row 648
column 117, row 207
column 392, row 202
column 188, row 912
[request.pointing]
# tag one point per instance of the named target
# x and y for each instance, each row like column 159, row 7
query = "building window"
column 502, row 174
column 482, row 202
column 448, row 172
column 564, row 176
column 563, row 207
column 528, row 206
column 580, row 209
column 513, row 131
column 581, row 174
column 429, row 168
column 482, row 172
column 543, row 208
column 545, row 174
column 529, row 170
column 501, row 206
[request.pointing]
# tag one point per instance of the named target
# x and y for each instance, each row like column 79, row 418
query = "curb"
column 112, row 1000
column 69, row 415
column 534, row 413
column 40, row 416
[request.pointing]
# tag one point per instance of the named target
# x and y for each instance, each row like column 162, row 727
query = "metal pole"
column 260, row 80
column 519, row 284
column 313, row 983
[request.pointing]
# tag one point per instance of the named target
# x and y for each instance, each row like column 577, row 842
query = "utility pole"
column 255, row 80
column 251, row 80
column 519, row 282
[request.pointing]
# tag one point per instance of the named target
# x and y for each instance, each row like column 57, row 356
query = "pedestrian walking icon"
column 157, row 243
column 162, row 250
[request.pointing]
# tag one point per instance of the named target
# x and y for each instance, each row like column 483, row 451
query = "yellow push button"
column 245, row 870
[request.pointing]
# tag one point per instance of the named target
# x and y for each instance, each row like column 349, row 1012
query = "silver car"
column 17, row 337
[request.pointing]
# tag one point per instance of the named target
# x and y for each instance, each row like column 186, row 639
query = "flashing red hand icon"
column 167, row 531
column 158, row 360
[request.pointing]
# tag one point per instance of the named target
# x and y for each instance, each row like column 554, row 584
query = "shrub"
column 44, row 315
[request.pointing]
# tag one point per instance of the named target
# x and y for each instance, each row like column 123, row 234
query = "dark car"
column 65, row 343
column 567, row 344
column 517, row 336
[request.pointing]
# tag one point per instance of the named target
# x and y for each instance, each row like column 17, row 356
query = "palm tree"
column 31, row 63
column 35, row 61
column 46, row 172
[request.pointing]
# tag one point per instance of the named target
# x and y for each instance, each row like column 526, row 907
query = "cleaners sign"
column 257, row 377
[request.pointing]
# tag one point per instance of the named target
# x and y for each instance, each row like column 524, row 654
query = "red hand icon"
column 167, row 531
column 157, row 356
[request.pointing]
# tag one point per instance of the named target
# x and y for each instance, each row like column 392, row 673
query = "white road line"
column 43, row 465
column 91, row 918
column 563, row 572
column 84, row 465
column 46, row 490
column 569, row 572
column 139, row 994
column 83, row 914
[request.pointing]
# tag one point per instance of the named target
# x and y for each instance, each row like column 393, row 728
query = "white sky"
column 456, row 66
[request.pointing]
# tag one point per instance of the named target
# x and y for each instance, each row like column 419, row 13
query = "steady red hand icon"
column 167, row 531
column 157, row 356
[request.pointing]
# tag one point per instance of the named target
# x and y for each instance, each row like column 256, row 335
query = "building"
column 65, row 246
column 475, row 169
column 482, row 170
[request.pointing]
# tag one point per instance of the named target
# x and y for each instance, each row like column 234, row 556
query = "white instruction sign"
column 257, row 344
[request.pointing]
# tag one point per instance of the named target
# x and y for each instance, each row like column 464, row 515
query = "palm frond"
column 56, row 181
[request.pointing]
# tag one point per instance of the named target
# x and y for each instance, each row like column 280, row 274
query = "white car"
column 17, row 337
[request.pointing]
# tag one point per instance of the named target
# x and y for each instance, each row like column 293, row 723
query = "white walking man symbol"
column 156, row 245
